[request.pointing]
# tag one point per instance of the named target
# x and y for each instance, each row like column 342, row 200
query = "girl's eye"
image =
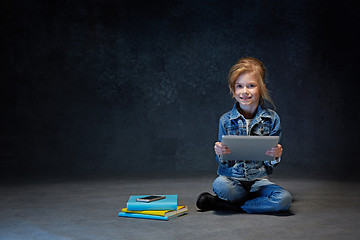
column 238, row 86
column 252, row 86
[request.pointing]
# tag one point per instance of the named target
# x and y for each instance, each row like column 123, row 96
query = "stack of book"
column 163, row 209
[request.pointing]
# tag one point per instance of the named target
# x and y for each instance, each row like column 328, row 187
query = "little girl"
column 244, row 185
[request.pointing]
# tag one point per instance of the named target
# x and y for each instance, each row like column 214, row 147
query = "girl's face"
column 247, row 92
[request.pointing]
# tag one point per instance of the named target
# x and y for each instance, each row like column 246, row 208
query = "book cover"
column 163, row 213
column 169, row 203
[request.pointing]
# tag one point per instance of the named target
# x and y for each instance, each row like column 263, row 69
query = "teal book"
column 168, row 203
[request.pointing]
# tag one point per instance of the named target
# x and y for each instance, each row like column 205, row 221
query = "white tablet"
column 250, row 148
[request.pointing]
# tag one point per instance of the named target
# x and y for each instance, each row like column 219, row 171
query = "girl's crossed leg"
column 260, row 196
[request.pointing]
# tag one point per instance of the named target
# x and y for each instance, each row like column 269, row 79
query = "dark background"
column 113, row 88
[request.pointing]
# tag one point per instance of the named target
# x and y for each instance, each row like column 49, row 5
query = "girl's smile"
column 245, row 98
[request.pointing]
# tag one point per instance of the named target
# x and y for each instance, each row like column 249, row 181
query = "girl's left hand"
column 275, row 152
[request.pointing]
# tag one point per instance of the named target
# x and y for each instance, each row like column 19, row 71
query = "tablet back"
column 252, row 148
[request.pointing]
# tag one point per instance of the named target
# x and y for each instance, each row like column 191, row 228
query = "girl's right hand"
column 221, row 149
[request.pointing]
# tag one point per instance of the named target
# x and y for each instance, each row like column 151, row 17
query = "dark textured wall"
column 115, row 87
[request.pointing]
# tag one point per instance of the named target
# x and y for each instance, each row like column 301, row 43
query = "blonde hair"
column 253, row 66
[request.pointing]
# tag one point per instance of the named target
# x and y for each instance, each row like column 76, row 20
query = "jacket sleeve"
column 276, row 127
column 222, row 132
column 275, row 131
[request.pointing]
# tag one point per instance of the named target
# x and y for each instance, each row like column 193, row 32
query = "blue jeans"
column 262, row 196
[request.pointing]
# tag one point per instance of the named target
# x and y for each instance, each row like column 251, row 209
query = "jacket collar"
column 261, row 113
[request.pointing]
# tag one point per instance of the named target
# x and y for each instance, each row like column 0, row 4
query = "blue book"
column 168, row 203
column 138, row 215
column 147, row 216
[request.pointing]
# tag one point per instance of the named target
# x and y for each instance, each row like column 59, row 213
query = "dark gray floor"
column 87, row 209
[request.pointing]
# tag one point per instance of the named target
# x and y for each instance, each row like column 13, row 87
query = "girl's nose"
column 245, row 90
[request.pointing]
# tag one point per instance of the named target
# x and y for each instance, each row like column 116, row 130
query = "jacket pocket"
column 232, row 130
column 261, row 129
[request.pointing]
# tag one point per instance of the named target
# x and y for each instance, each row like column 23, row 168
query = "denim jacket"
column 265, row 123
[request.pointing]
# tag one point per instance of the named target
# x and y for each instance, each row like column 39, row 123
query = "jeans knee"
column 228, row 189
column 220, row 187
column 219, row 181
column 283, row 199
column 286, row 198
